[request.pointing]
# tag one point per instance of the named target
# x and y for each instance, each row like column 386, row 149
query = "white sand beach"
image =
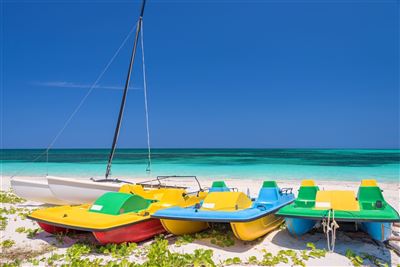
column 40, row 248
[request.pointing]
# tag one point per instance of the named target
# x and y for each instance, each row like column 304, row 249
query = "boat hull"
column 183, row 227
column 379, row 231
column 252, row 230
column 132, row 233
column 52, row 229
column 72, row 191
column 245, row 231
column 35, row 190
column 298, row 226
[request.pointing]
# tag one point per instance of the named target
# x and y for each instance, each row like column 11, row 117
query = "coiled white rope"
column 325, row 226
column 148, row 169
column 78, row 107
column 329, row 228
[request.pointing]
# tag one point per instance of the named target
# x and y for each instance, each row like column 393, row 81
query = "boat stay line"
column 146, row 110
column 78, row 107
column 123, row 100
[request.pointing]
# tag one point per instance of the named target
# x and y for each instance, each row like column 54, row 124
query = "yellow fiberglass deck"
column 337, row 200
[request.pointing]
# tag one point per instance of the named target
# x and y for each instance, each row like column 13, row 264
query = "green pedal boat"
column 368, row 210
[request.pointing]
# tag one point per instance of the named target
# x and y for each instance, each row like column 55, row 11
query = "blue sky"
column 220, row 74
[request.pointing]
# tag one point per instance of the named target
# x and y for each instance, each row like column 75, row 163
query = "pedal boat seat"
column 307, row 194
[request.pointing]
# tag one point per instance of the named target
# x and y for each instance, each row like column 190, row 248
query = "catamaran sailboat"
column 59, row 190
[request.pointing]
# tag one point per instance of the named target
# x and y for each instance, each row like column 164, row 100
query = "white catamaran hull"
column 74, row 191
column 34, row 190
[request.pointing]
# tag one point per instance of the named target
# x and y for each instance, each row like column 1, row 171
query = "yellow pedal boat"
column 117, row 217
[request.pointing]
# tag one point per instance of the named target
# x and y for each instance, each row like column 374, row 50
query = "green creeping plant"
column 358, row 260
column 77, row 250
column 184, row 239
column 8, row 243
column 354, row 258
column 30, row 232
column 15, row 263
column 3, row 222
column 288, row 255
column 220, row 235
column 160, row 256
column 157, row 254
column 118, row 250
column 377, row 261
column 231, row 261
column 10, row 197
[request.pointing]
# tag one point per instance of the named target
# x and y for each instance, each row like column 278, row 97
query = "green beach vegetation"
column 30, row 233
column 10, row 198
column 220, row 235
column 8, row 243
column 358, row 259
column 159, row 254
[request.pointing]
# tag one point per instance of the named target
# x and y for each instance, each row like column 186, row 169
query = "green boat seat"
column 115, row 203
column 307, row 194
column 268, row 184
column 219, row 186
column 369, row 196
column 370, row 193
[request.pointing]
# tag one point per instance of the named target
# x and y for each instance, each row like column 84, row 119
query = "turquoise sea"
column 281, row 164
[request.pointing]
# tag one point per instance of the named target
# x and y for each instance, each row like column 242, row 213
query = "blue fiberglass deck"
column 269, row 200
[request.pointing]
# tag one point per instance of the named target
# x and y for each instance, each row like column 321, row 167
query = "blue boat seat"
column 219, row 186
column 269, row 193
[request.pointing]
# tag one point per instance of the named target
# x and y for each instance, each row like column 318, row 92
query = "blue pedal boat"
column 248, row 218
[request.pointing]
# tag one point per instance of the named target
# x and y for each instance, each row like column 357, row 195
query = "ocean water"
column 280, row 164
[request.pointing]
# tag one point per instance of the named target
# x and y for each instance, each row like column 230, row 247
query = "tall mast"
column 121, row 110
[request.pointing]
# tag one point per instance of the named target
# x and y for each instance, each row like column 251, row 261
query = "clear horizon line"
column 227, row 148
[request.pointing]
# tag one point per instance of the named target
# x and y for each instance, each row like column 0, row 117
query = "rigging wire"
column 47, row 163
column 78, row 107
column 148, row 169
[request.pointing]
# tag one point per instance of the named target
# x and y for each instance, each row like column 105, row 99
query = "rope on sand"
column 329, row 226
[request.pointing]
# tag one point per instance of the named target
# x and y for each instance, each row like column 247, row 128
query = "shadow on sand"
column 358, row 242
column 65, row 241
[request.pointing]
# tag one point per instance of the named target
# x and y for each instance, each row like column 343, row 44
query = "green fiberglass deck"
column 368, row 208
column 369, row 205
